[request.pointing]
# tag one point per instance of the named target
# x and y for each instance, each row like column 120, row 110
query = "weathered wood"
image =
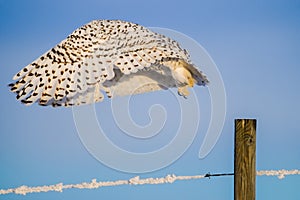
column 245, row 159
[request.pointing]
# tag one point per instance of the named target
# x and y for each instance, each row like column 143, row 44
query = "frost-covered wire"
column 94, row 184
column 279, row 173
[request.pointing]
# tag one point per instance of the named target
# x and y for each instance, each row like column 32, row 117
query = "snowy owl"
column 111, row 56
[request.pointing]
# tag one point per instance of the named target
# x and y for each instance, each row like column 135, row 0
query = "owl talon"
column 183, row 91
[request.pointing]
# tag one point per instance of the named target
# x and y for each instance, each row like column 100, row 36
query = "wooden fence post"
column 245, row 159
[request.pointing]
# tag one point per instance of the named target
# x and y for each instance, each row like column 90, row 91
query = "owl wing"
column 103, row 55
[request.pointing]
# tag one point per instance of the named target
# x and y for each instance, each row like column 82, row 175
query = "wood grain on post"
column 245, row 159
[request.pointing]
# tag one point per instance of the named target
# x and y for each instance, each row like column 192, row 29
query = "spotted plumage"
column 117, row 57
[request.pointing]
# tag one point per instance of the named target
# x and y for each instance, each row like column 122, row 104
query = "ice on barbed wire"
column 111, row 56
column 94, row 184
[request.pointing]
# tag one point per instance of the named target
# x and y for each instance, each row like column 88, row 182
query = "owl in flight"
column 111, row 56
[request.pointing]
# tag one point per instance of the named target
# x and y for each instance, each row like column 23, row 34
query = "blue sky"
column 256, row 48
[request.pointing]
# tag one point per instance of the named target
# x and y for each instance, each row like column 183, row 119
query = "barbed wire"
column 279, row 173
column 171, row 178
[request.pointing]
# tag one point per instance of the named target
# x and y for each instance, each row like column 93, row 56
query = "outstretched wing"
column 76, row 70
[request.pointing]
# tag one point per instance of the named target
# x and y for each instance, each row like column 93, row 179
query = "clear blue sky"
column 255, row 46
